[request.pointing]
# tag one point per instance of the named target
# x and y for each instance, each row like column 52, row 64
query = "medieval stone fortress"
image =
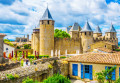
column 88, row 55
column 82, row 39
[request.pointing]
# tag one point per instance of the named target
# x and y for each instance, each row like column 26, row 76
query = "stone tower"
column 27, row 37
column 74, row 31
column 97, row 32
column 35, row 40
column 86, row 37
column 47, row 34
column 111, row 33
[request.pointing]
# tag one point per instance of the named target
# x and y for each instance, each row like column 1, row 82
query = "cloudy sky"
column 19, row 17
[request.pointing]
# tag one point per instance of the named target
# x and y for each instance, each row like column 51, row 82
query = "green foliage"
column 100, row 77
column 40, row 56
column 106, row 73
column 57, row 78
column 61, row 34
column 117, row 81
column 50, row 66
column 18, row 47
column 29, row 80
column 63, row 57
column 26, row 46
column 6, row 40
column 22, row 62
column 12, row 77
column 117, row 49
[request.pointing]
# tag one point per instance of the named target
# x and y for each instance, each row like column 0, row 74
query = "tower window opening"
column 42, row 22
column 105, row 46
column 48, row 22
column 85, row 33
column 89, row 33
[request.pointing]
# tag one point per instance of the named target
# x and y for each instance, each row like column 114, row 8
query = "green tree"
column 107, row 73
column 26, row 46
column 18, row 47
column 61, row 34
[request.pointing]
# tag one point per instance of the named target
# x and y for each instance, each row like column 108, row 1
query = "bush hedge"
column 57, row 78
column 40, row 56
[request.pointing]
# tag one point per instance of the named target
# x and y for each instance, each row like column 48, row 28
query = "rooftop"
column 98, row 30
column 1, row 34
column 112, row 29
column 47, row 15
column 75, row 27
column 97, row 58
column 86, row 28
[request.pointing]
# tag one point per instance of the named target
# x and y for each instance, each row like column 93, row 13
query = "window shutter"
column 90, row 72
column 105, row 69
column 75, row 69
column 113, row 75
column 81, row 71
column 119, row 72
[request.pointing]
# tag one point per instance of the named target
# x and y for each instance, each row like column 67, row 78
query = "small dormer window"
column 48, row 22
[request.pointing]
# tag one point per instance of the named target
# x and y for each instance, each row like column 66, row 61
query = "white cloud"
column 64, row 12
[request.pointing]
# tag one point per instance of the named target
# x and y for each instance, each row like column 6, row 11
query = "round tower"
column 74, row 31
column 97, row 32
column 35, row 40
column 86, row 37
column 47, row 34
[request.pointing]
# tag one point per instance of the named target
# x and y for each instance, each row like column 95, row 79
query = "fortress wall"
column 71, row 45
column 100, row 44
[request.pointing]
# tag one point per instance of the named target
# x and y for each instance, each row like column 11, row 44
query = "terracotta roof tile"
column 1, row 34
column 101, row 58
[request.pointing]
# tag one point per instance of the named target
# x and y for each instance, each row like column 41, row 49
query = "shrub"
column 57, row 78
column 29, row 80
column 117, row 81
column 12, row 77
column 117, row 49
column 22, row 62
column 50, row 66
column 63, row 57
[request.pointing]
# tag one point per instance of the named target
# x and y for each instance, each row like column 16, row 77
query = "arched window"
column 105, row 46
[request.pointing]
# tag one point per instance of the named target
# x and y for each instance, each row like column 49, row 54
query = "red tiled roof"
column 1, row 34
column 98, row 58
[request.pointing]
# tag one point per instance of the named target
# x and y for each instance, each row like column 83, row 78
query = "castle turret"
column 27, row 37
column 35, row 40
column 97, row 32
column 74, row 31
column 87, row 37
column 47, row 34
column 111, row 33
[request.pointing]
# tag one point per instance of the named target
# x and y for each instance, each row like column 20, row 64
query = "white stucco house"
column 8, row 49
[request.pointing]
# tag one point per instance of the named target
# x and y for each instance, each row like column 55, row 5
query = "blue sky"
column 19, row 17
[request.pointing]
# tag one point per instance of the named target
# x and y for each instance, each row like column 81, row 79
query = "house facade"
column 87, row 65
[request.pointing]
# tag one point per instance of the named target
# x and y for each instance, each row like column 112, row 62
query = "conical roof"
column 112, row 29
column 75, row 27
column 86, row 28
column 47, row 15
column 98, row 30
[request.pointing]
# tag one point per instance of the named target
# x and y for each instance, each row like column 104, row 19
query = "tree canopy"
column 26, row 46
column 61, row 34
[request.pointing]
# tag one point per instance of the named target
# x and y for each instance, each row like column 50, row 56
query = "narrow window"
column 42, row 22
column 105, row 46
column 89, row 33
column 48, row 22
column 85, row 33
